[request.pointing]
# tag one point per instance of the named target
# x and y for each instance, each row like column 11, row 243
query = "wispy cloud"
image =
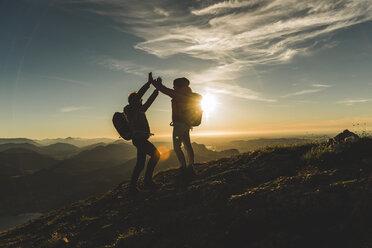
column 353, row 101
column 133, row 68
column 238, row 92
column 220, row 80
column 161, row 12
column 318, row 88
column 302, row 92
column 268, row 31
column 223, row 6
column 322, row 85
column 73, row 109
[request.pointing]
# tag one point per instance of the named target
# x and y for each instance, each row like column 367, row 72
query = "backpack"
column 189, row 109
column 121, row 125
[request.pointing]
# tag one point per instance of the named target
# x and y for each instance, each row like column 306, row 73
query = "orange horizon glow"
column 304, row 128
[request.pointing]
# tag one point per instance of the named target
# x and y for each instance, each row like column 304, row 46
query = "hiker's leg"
column 188, row 147
column 155, row 156
column 177, row 141
column 141, row 159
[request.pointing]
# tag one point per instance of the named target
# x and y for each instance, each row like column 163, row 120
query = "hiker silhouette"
column 136, row 114
column 181, row 95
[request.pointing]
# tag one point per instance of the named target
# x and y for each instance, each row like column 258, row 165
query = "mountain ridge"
column 313, row 195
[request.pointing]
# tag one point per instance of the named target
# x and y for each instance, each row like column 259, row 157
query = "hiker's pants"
column 181, row 134
column 144, row 147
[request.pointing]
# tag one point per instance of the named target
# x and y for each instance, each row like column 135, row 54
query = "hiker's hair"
column 181, row 82
column 133, row 97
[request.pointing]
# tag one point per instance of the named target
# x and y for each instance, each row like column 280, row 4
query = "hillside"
column 57, row 151
column 314, row 195
column 61, row 150
column 31, row 147
column 88, row 173
column 31, row 182
column 21, row 161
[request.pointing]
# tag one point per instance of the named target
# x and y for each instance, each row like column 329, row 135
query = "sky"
column 272, row 66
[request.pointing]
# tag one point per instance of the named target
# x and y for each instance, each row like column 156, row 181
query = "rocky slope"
column 314, row 195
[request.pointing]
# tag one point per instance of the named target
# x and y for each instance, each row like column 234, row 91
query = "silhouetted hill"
column 21, row 161
column 30, row 184
column 254, row 144
column 89, row 147
column 17, row 140
column 64, row 150
column 61, row 150
column 110, row 154
column 58, row 151
column 28, row 146
column 314, row 195
column 79, row 142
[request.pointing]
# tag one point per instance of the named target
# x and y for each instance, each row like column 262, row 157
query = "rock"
column 346, row 136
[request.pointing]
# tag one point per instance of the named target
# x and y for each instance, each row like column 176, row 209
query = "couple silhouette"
column 185, row 115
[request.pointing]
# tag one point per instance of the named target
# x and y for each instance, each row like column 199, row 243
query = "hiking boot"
column 151, row 185
column 182, row 169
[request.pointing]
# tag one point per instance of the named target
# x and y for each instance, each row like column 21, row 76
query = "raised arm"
column 163, row 89
column 149, row 101
column 145, row 87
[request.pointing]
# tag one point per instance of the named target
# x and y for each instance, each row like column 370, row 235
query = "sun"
column 209, row 104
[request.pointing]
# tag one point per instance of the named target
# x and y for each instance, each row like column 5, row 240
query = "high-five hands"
column 159, row 80
column 155, row 82
column 150, row 80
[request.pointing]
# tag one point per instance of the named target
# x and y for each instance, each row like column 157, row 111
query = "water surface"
column 9, row 221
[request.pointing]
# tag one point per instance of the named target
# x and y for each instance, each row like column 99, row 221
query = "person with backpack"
column 186, row 113
column 135, row 111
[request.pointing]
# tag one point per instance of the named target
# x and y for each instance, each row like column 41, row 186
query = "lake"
column 7, row 222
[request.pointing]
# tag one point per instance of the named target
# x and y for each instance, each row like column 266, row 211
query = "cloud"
column 238, row 92
column 225, row 5
column 233, row 33
column 133, row 68
column 322, row 85
column 352, row 102
column 126, row 66
column 318, row 88
column 253, row 32
column 73, row 109
column 220, row 80
column 302, row 92
column 161, row 12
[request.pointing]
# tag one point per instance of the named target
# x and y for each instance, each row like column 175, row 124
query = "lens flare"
column 164, row 152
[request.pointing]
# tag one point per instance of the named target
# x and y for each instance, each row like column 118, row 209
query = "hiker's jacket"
column 179, row 97
column 137, row 114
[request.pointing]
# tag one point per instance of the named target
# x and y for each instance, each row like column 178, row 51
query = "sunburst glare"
column 209, row 104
